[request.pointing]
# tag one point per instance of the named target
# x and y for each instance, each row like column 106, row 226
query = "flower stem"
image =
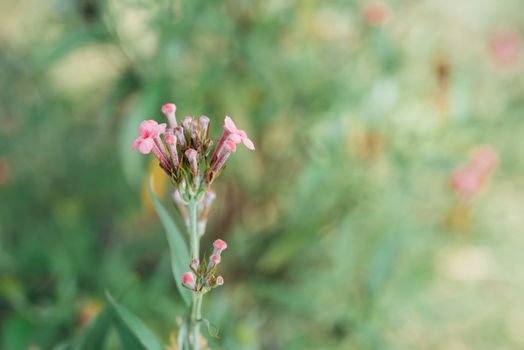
column 196, row 305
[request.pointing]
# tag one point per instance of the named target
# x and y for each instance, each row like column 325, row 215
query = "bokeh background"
column 343, row 226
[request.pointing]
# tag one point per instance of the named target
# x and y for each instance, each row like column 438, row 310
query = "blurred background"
column 383, row 206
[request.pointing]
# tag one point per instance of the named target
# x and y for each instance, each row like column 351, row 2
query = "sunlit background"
column 361, row 221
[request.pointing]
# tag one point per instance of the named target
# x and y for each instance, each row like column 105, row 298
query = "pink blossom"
column 237, row 135
column 150, row 131
column 466, row 181
column 376, row 14
column 169, row 110
column 506, row 46
column 483, row 159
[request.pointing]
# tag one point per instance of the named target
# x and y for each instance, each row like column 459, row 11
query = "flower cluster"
column 192, row 160
column 467, row 180
column 202, row 276
column 185, row 151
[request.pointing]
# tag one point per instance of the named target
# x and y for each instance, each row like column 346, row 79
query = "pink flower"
column 466, row 181
column 483, row 159
column 188, row 280
column 237, row 135
column 149, row 130
column 506, row 46
column 376, row 14
column 169, row 110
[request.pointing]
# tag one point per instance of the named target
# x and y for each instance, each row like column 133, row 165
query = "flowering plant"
column 193, row 161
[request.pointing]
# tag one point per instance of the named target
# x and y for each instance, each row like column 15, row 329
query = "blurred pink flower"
column 376, row 14
column 506, row 46
column 237, row 135
column 466, row 181
column 483, row 159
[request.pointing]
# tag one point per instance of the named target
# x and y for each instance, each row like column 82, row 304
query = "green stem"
column 196, row 305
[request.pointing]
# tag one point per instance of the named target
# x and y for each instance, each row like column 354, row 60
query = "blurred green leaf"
column 177, row 246
column 128, row 340
column 136, row 326
column 95, row 335
column 211, row 328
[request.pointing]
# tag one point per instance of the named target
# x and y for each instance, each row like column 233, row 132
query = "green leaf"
column 135, row 325
column 178, row 250
column 128, row 341
column 95, row 335
column 211, row 328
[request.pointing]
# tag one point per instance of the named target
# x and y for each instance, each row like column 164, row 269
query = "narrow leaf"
column 135, row 326
column 95, row 335
column 211, row 328
column 178, row 250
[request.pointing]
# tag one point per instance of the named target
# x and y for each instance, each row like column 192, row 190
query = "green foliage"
column 178, row 251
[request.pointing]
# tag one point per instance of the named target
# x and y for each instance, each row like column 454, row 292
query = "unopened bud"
column 195, row 264
column 203, row 122
column 219, row 281
column 187, row 124
column 214, row 260
column 219, row 245
column 171, row 145
column 169, row 110
column 179, row 134
column 188, row 280
column 192, row 158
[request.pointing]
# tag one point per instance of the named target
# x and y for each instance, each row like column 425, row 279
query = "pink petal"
column 230, row 146
column 146, row 146
column 137, row 142
column 235, row 138
column 248, row 143
column 220, row 244
column 168, row 108
column 147, row 126
column 230, row 125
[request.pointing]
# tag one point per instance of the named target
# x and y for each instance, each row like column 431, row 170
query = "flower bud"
column 194, row 264
column 219, row 281
column 187, row 123
column 219, row 245
column 204, row 122
column 188, row 280
column 214, row 260
column 179, row 134
column 192, row 158
column 169, row 110
column 170, row 140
